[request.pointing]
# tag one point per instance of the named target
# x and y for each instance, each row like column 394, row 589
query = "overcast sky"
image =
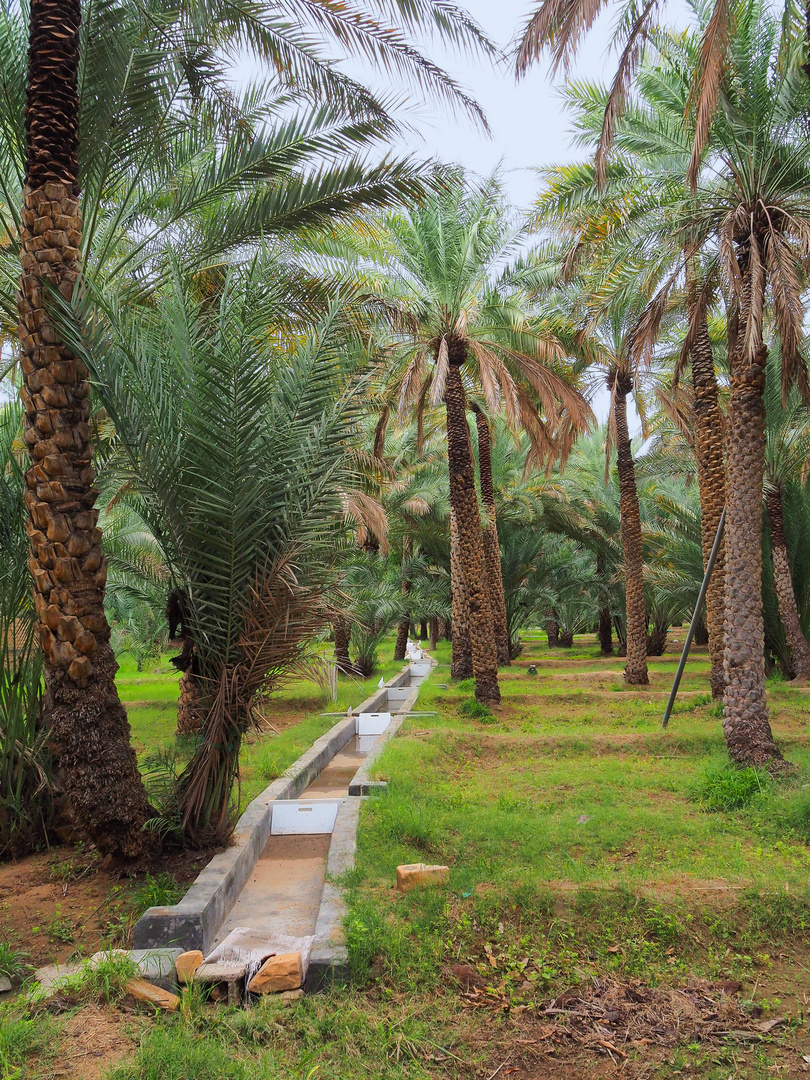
column 528, row 122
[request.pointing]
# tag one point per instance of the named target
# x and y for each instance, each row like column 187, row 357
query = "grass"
column 584, row 843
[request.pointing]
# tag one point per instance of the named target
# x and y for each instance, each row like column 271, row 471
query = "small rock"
column 289, row 996
column 5, row 984
column 186, row 966
column 582, row 819
column 413, row 874
column 282, row 972
column 145, row 991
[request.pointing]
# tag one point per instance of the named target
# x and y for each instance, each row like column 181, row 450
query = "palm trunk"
column 605, row 632
column 464, row 500
column 635, row 670
column 489, row 535
column 189, row 707
column 605, row 628
column 343, row 635
column 88, row 727
column 709, row 435
column 461, row 666
column 552, row 630
column 434, row 633
column 405, row 621
column 745, row 710
column 783, row 582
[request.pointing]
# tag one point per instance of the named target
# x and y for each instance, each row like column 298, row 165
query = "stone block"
column 225, row 978
column 412, row 875
column 186, row 966
column 150, row 994
column 277, row 973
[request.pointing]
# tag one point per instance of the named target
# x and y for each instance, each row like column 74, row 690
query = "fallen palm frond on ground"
column 613, row 1016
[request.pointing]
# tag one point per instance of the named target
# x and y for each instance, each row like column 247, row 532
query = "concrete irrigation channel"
column 276, row 889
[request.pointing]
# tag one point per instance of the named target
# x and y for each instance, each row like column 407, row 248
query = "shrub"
column 476, row 710
column 728, row 788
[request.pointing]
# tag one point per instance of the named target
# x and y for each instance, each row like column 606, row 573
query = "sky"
column 528, row 122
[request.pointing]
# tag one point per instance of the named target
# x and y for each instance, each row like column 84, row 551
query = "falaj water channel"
column 276, row 887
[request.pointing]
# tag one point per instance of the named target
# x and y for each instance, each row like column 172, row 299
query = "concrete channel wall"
column 193, row 923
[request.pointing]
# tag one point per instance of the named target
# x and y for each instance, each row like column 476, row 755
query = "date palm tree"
column 750, row 215
column 466, row 330
column 623, row 226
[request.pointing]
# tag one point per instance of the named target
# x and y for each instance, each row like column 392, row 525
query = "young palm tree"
column 202, row 400
column 26, row 791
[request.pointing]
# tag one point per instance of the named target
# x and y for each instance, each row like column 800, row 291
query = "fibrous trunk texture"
column 464, row 501
column 745, row 711
column 657, row 640
column 783, row 582
column 189, row 707
column 343, row 635
column 709, row 438
column 461, row 666
column 489, row 535
column 635, row 670
column 605, row 632
column 566, row 639
column 434, row 633
column 88, row 727
column 552, row 630
column 405, row 621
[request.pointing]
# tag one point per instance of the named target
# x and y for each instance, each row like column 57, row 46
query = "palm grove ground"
column 619, row 903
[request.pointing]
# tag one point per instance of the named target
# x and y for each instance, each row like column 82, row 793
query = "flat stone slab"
column 154, row 965
column 52, row 976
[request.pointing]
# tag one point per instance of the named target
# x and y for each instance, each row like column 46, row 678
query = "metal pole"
column 691, row 632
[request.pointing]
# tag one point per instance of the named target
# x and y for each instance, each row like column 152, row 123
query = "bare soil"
column 59, row 904
column 91, row 1043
